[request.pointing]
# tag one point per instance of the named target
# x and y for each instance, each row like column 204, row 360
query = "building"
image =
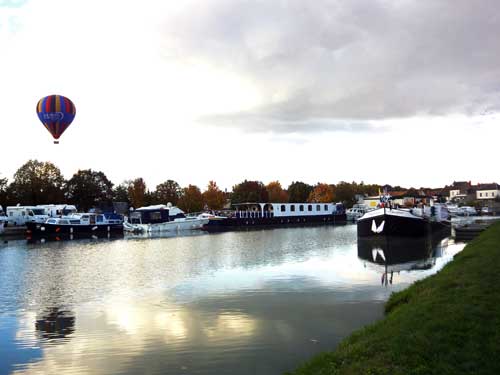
column 487, row 191
column 461, row 191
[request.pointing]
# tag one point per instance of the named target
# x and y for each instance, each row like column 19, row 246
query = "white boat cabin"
column 86, row 219
column 287, row 209
column 156, row 214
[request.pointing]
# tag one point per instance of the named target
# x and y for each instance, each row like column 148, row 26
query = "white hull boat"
column 172, row 226
column 354, row 213
column 161, row 218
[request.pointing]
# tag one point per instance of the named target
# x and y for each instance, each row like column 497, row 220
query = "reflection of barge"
column 394, row 250
column 391, row 254
column 249, row 215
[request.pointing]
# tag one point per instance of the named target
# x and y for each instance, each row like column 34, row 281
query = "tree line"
column 38, row 182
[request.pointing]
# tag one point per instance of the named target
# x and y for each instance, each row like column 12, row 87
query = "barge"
column 248, row 215
column 416, row 222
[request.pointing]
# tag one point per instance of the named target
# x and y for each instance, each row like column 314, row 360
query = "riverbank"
column 448, row 323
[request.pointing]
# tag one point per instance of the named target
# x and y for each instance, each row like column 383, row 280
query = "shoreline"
column 448, row 323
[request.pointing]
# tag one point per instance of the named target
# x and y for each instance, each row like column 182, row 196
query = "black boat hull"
column 399, row 226
column 234, row 223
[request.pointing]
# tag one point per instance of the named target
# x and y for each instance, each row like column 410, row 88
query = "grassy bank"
column 448, row 323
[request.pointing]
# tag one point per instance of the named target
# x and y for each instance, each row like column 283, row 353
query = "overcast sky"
column 400, row 92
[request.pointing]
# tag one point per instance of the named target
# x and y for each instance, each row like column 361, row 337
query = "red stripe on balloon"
column 47, row 104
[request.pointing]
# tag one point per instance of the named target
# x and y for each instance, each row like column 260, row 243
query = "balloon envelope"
column 56, row 112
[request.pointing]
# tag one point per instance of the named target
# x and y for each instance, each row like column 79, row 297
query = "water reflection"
column 55, row 324
column 390, row 255
column 230, row 303
column 73, row 237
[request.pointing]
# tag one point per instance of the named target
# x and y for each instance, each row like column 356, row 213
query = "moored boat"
column 163, row 218
column 355, row 212
column 248, row 215
column 87, row 223
column 403, row 222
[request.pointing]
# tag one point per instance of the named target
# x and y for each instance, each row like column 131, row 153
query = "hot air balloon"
column 56, row 112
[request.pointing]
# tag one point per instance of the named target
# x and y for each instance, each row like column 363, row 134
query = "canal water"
column 250, row 302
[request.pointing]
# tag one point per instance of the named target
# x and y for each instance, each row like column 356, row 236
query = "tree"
column 136, row 192
column 276, row 193
column 322, row 193
column 213, row 197
column 346, row 193
column 249, row 191
column 37, row 183
column 120, row 192
column 88, row 189
column 168, row 191
column 191, row 199
column 299, row 192
column 3, row 192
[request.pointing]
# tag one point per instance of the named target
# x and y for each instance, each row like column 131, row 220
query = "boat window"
column 30, row 213
column 155, row 215
column 309, row 207
column 52, row 221
column 63, row 222
column 283, row 208
column 318, row 207
column 100, row 218
column 74, row 221
column 85, row 217
column 301, row 207
column 326, row 207
column 292, row 208
column 10, row 213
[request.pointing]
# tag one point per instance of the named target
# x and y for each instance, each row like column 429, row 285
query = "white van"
column 57, row 210
column 20, row 215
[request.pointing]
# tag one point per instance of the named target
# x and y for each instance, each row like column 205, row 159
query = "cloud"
column 328, row 64
column 260, row 122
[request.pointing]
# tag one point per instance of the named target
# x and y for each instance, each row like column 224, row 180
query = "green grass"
column 448, row 323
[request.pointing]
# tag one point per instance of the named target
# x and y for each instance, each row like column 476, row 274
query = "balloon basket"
column 56, row 142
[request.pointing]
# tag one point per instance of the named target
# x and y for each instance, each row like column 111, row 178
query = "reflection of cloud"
column 172, row 325
column 126, row 331
column 231, row 325
column 25, row 331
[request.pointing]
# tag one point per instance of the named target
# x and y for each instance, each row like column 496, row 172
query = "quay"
column 448, row 323
column 469, row 231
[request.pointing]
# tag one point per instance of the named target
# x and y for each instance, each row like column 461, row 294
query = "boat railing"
column 253, row 214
